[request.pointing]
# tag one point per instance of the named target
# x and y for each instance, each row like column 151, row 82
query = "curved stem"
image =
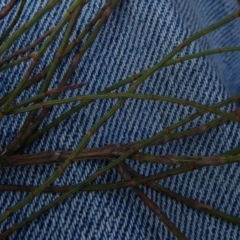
column 120, row 84
column 61, row 169
column 199, row 106
column 13, row 147
column 85, row 140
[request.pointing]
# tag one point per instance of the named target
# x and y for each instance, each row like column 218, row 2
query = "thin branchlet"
column 7, row 9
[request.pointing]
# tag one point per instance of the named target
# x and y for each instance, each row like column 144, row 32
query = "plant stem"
column 48, row 7
column 80, row 37
column 130, row 79
column 27, row 128
column 22, row 50
column 8, row 8
column 199, row 106
column 14, row 22
column 154, row 207
column 99, row 187
column 133, row 182
column 89, row 134
column 85, row 140
column 80, row 106
column 23, row 136
column 36, row 57
column 60, row 170
column 187, row 201
column 216, row 160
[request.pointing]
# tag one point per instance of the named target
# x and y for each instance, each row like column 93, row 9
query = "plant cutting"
column 52, row 86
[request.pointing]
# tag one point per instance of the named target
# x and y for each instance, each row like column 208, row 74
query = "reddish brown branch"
column 153, row 206
column 27, row 48
column 8, row 8
column 114, row 150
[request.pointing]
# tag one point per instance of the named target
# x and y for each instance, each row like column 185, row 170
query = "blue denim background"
column 138, row 34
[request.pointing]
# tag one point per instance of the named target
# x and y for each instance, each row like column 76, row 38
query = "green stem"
column 141, row 79
column 43, row 73
column 224, row 115
column 85, row 139
column 122, row 83
column 198, row 206
column 66, row 77
column 130, row 79
column 62, row 189
column 48, row 7
column 16, row 62
column 26, row 129
column 109, row 186
column 36, row 57
column 162, row 216
column 61, row 169
column 14, row 22
column 22, row 50
column 59, row 54
column 113, row 164
column 133, row 182
column 202, row 54
column 187, row 201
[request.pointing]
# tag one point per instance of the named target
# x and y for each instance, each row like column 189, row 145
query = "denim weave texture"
column 137, row 35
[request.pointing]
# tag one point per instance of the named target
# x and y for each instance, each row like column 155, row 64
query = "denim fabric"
column 138, row 34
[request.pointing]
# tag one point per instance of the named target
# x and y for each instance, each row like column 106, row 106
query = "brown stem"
column 23, row 135
column 153, row 206
column 8, row 8
column 63, row 189
column 107, row 152
column 27, row 48
column 187, row 201
column 100, row 187
column 50, row 157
